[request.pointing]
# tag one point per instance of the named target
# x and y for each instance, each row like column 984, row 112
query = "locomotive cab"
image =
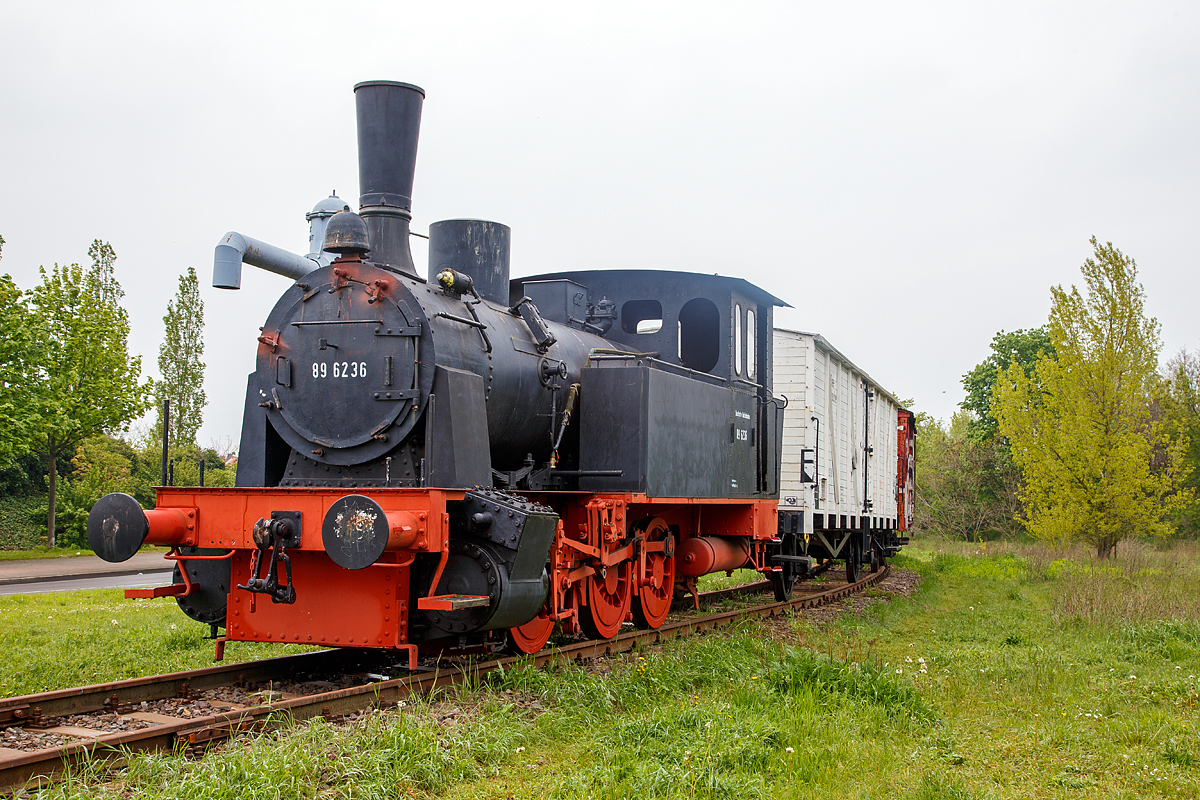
column 689, row 353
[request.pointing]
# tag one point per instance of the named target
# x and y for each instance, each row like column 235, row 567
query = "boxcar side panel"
column 830, row 416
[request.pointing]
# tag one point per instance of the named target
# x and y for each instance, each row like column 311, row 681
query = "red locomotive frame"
column 601, row 576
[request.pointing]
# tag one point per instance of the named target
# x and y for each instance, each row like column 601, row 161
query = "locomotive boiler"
column 460, row 459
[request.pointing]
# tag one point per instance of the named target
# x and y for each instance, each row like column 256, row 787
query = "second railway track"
column 246, row 705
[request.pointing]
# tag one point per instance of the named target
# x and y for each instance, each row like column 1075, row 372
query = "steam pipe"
column 234, row 249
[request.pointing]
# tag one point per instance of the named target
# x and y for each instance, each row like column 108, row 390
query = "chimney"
column 389, row 122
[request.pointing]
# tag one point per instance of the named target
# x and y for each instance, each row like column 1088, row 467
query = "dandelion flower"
column 790, row 750
column 521, row 749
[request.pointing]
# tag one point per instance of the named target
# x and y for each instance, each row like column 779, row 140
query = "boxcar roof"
column 824, row 344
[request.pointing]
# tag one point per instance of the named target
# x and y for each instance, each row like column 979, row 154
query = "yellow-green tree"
column 1098, row 466
column 87, row 383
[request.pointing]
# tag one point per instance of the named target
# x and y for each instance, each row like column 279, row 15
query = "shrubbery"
column 105, row 464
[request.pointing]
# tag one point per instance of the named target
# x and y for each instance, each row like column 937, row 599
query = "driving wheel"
column 533, row 635
column 608, row 598
column 654, row 595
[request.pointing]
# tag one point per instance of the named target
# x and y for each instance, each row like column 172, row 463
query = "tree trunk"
column 53, row 498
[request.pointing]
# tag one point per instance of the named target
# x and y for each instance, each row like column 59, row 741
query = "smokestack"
column 389, row 122
column 474, row 247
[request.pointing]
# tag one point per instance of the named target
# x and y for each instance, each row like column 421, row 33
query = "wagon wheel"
column 783, row 580
column 878, row 559
column 853, row 558
column 608, row 598
column 533, row 635
column 653, row 600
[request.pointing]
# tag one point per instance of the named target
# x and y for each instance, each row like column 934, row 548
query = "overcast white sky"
column 911, row 177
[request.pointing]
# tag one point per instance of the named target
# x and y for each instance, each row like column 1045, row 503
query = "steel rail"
column 38, row 766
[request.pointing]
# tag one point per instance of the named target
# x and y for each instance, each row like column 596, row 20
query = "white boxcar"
column 842, row 466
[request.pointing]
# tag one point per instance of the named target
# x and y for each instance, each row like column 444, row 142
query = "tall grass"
column 1141, row 584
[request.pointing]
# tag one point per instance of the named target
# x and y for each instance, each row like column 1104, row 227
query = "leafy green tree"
column 103, row 274
column 101, row 464
column 180, row 361
column 19, row 355
column 1008, row 347
column 985, row 473
column 1097, row 465
column 957, row 492
column 87, row 383
column 1179, row 403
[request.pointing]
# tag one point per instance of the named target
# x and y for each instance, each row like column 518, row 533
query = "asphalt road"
column 70, row 584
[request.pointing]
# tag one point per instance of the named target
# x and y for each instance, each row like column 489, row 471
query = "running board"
column 453, row 602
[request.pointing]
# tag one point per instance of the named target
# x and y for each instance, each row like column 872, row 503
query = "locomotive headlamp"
column 457, row 282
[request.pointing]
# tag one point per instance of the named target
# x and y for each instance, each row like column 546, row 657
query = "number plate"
column 339, row 369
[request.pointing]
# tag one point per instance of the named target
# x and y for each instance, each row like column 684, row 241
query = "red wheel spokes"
column 533, row 635
column 608, row 601
column 654, row 597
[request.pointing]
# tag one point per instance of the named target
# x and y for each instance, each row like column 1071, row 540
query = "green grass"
column 991, row 682
column 719, row 580
column 42, row 552
column 63, row 639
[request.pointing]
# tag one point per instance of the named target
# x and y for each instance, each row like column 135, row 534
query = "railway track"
column 223, row 701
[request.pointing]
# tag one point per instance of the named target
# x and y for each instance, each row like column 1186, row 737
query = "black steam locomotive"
column 463, row 459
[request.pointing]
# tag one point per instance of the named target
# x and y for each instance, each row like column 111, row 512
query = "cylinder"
column 701, row 555
column 474, row 247
column 403, row 529
column 389, row 123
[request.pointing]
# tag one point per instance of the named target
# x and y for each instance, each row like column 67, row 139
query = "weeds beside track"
column 45, row 711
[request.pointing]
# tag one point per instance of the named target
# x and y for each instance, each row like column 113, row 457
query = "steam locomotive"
column 466, row 460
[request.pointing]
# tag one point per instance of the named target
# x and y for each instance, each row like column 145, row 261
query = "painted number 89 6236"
column 339, row 369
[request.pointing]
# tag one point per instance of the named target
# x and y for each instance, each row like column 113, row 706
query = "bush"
column 23, row 476
column 20, row 526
